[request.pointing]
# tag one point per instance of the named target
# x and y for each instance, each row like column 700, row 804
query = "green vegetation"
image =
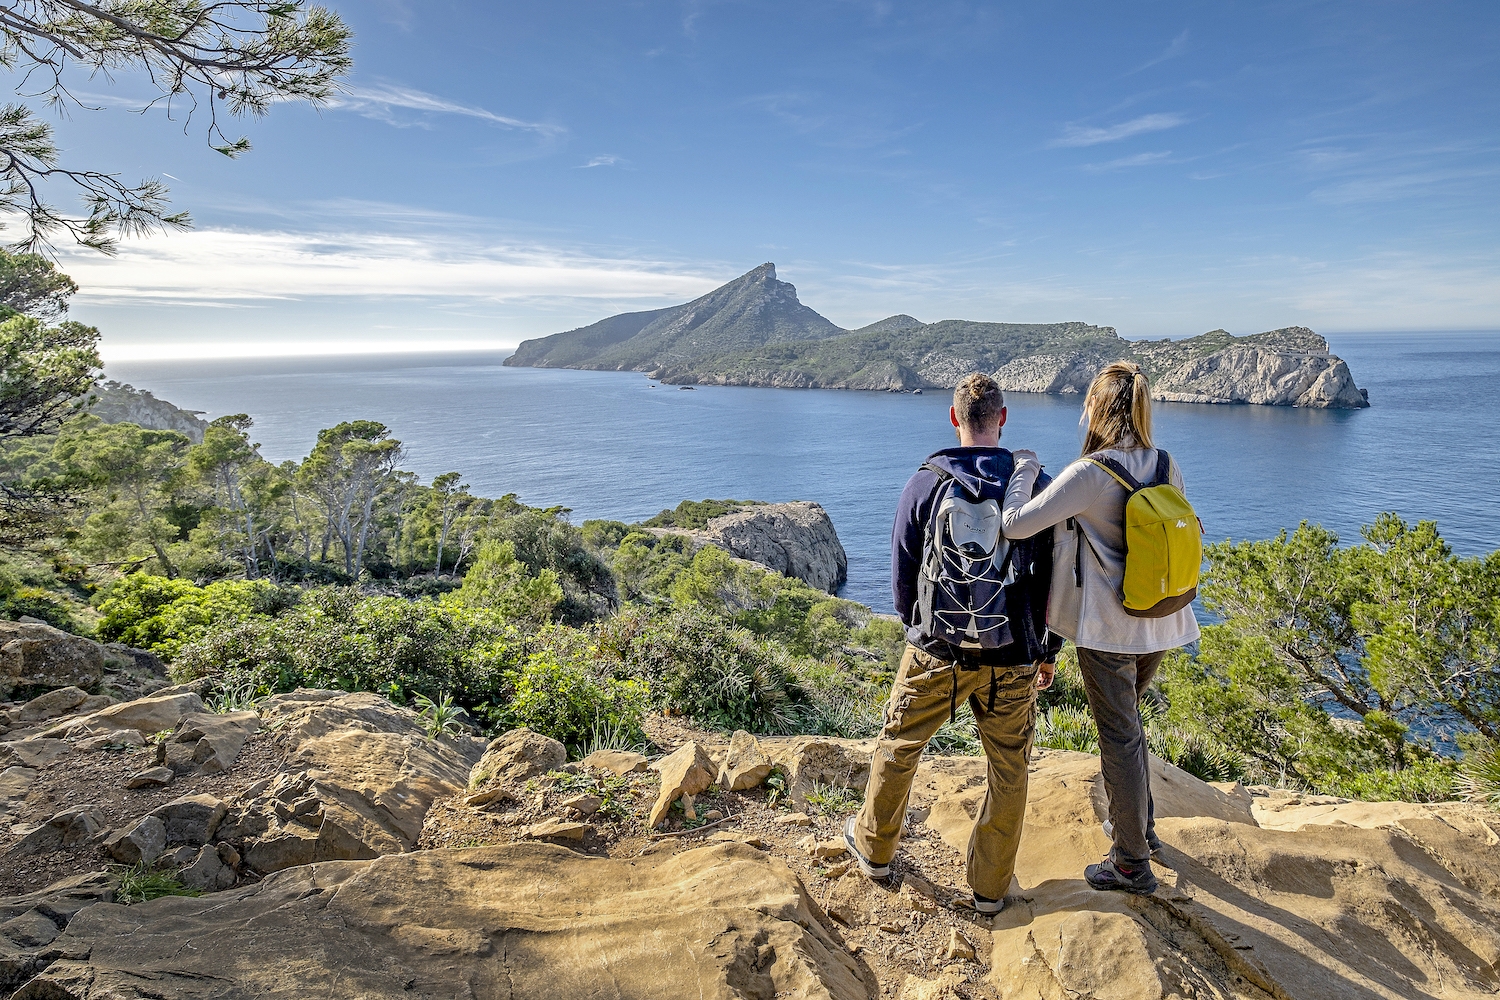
column 1353, row 670
column 141, row 883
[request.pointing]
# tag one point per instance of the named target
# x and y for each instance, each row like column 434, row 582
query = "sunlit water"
column 615, row 445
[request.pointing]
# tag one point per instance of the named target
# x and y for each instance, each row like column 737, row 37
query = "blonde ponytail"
column 1119, row 408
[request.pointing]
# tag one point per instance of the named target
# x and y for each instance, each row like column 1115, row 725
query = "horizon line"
column 128, row 353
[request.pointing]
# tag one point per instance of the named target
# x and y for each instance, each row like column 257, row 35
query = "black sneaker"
column 1108, row 875
column 870, row 868
column 987, row 906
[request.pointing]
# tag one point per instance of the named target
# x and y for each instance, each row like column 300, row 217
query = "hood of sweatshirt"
column 982, row 472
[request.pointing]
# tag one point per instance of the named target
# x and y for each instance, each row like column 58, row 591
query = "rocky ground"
column 338, row 850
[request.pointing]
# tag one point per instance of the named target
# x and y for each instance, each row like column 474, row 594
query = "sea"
column 619, row 445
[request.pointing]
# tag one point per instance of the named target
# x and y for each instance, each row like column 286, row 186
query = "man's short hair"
column 977, row 399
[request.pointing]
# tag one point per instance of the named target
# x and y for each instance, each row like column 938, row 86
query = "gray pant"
column 1115, row 683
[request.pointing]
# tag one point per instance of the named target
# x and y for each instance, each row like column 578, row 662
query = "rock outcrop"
column 532, row 921
column 359, row 778
column 38, row 655
column 1290, row 367
column 119, row 403
column 795, row 539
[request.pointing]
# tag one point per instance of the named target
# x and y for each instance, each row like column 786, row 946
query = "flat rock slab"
column 529, row 920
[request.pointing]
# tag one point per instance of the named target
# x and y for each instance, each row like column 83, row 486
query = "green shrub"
column 499, row 580
column 700, row 665
column 571, row 704
column 1064, row 727
column 1430, row 780
column 163, row 615
column 1479, row 772
column 691, row 515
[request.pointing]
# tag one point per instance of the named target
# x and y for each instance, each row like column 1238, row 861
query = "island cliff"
column 754, row 331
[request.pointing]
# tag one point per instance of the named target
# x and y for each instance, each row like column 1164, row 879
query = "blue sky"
column 499, row 171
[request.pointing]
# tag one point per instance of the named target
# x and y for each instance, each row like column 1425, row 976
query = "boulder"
column 192, row 819
column 527, row 920
column 33, row 654
column 68, row 828
column 810, row 761
column 514, row 757
column 207, row 872
column 148, row 716
column 360, row 777
column 216, row 739
column 32, row 752
column 619, row 762
column 141, row 842
column 30, row 924
column 687, row 771
column 56, row 702
column 152, row 777
column 15, row 782
column 745, row 766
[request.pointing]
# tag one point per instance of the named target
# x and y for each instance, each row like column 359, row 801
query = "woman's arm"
column 1068, row 496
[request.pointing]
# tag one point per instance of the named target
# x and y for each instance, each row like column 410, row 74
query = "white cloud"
column 1076, row 135
column 1125, row 162
column 225, row 267
column 378, row 100
column 1178, row 47
column 604, row 160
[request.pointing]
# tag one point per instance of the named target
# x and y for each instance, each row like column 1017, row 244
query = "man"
column 999, row 683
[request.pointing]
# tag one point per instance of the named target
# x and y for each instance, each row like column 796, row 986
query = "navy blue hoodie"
column 983, row 472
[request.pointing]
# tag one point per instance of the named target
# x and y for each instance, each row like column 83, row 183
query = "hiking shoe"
column 867, row 866
column 1108, row 875
column 987, row 906
column 1153, row 842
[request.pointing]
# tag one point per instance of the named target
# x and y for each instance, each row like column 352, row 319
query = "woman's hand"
column 1026, row 455
column 1045, row 672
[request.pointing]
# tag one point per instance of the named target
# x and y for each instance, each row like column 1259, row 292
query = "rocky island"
column 755, row 331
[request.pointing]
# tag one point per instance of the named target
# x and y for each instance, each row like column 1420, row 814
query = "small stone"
column 822, row 849
column 558, row 829
column 917, row 902
column 794, row 819
column 152, row 777
column 618, row 762
column 686, row 772
column 114, row 739
column 838, row 870
column 584, row 805
column 229, row 855
column 142, row 842
column 959, row 947
column 713, row 816
column 891, row 927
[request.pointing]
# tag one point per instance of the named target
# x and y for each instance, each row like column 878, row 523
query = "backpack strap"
column 1163, row 467
column 1117, row 471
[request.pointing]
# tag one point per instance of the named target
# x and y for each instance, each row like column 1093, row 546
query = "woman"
column 1118, row 654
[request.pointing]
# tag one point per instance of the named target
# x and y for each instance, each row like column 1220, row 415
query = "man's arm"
column 906, row 541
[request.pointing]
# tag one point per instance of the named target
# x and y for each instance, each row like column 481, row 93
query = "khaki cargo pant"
column 923, row 695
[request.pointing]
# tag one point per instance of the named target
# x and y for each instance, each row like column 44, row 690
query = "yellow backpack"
column 1163, row 541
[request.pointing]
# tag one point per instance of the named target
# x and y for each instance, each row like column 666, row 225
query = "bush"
column 1479, row 772
column 338, row 639
column 499, row 580
column 574, row 706
column 163, row 615
column 691, row 515
column 1430, row 780
column 700, row 665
